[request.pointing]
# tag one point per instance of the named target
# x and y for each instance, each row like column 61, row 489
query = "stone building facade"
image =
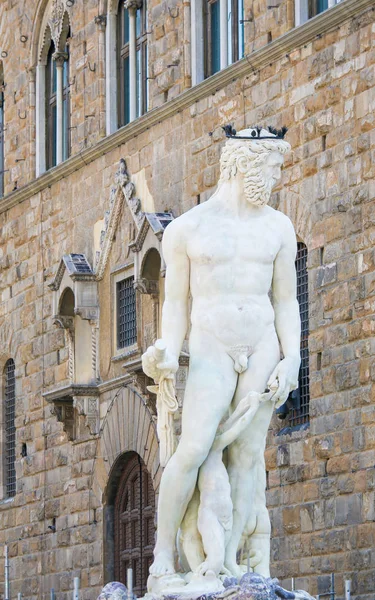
column 79, row 234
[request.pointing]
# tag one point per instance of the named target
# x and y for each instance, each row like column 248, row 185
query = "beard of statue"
column 256, row 188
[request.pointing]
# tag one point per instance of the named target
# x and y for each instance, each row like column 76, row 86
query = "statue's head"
column 256, row 155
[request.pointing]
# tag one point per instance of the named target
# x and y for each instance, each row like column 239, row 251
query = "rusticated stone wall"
column 321, row 481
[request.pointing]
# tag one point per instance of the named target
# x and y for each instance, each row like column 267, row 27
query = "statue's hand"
column 284, row 380
column 159, row 364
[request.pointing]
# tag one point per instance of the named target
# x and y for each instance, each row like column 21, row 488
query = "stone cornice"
column 111, row 384
column 75, row 389
column 293, row 39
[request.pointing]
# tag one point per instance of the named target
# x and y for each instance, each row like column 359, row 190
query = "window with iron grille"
column 10, row 430
column 126, row 313
column 301, row 397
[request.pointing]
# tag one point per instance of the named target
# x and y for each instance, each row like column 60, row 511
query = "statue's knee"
column 191, row 456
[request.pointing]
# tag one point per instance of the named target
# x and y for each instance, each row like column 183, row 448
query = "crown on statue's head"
column 255, row 133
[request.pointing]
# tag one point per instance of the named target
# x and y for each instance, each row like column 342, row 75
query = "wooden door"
column 134, row 524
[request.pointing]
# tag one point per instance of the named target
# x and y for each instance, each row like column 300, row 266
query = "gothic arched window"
column 132, row 84
column 9, row 428
column 52, row 102
column 57, row 107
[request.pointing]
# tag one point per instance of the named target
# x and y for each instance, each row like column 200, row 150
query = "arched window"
column 132, row 81
column 52, row 107
column 223, row 28
column 57, row 107
column 297, row 405
column 1, row 131
column 134, row 529
column 9, row 429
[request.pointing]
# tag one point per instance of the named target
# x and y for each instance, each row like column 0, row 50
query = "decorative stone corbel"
column 101, row 22
column 145, row 286
column 88, row 406
column 72, row 401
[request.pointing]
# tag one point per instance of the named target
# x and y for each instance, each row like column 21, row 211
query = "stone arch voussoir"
column 127, row 427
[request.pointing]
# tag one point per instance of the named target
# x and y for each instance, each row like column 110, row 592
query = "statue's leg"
column 246, row 454
column 209, row 391
column 190, row 540
column 213, row 535
column 259, row 542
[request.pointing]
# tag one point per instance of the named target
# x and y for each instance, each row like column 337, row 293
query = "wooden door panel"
column 134, row 524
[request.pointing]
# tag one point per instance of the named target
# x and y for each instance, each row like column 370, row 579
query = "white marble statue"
column 229, row 253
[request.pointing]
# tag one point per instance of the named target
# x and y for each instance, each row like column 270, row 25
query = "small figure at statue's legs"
column 246, row 462
column 215, row 514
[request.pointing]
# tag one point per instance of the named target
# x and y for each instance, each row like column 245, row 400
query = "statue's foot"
column 162, row 565
column 234, row 569
column 208, row 566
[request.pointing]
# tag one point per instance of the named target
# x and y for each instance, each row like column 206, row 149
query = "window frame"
column 9, row 446
column 232, row 32
column 304, row 11
column 207, row 37
column 118, row 275
column 301, row 415
column 123, row 53
column 51, row 106
column 66, row 98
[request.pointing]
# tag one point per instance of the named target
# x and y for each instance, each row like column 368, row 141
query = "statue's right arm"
column 175, row 307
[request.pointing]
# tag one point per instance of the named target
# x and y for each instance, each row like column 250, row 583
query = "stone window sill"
column 6, row 501
column 126, row 355
column 292, row 434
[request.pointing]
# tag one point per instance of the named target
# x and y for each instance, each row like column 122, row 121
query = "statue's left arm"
column 287, row 317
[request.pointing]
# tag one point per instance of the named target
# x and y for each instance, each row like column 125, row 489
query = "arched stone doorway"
column 134, row 528
column 127, row 430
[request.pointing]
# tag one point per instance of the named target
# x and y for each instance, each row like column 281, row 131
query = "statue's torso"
column 231, row 269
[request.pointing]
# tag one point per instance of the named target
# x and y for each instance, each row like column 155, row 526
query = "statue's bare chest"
column 217, row 243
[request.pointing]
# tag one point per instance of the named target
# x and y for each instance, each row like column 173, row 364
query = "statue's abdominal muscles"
column 230, row 289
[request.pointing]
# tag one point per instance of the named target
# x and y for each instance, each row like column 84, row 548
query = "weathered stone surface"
column 324, row 93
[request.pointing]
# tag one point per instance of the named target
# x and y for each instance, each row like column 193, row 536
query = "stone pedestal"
column 251, row 587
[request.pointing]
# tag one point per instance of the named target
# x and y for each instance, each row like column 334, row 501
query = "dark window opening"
column 10, row 429
column 297, row 405
column 300, row 411
column 51, row 108
column 126, row 313
column 213, row 34
column 123, row 68
column 315, row 7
